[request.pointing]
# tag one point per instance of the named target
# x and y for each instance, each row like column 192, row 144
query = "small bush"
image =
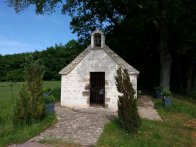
column 166, row 92
column 57, row 93
column 49, row 99
column 127, row 105
column 52, row 95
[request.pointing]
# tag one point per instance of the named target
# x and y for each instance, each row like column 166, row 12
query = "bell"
column 98, row 41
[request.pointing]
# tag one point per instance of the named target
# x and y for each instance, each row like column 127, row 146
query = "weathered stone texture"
column 85, row 93
column 87, row 87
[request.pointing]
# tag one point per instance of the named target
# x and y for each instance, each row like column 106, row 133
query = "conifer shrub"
column 30, row 106
column 127, row 105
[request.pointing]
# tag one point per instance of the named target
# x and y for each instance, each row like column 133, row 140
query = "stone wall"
column 75, row 85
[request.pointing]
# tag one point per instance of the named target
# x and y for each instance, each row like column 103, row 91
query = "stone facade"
column 75, row 79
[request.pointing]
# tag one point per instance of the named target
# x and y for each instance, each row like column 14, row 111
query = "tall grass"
column 9, row 134
column 178, row 106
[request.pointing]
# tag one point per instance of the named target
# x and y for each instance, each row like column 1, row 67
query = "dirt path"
column 86, row 125
column 146, row 108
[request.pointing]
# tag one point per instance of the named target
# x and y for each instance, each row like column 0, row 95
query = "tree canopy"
column 158, row 37
column 54, row 59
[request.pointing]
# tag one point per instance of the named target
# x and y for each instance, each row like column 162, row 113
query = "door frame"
column 98, row 96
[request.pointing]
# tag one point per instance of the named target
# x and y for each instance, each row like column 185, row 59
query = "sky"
column 27, row 32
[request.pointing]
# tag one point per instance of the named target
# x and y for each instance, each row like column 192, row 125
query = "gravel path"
column 146, row 108
column 86, row 125
column 79, row 126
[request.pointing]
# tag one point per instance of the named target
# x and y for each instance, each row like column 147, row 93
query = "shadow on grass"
column 55, row 142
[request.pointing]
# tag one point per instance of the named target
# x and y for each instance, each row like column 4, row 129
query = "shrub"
column 52, row 95
column 30, row 106
column 166, row 92
column 127, row 106
column 48, row 96
column 49, row 99
column 57, row 93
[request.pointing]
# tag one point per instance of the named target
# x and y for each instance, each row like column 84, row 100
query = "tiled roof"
column 123, row 64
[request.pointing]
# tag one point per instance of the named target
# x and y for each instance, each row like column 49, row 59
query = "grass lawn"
column 9, row 134
column 177, row 129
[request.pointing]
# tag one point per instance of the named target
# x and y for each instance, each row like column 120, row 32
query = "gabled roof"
column 123, row 64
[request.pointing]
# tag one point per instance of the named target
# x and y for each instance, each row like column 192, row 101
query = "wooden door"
column 97, row 88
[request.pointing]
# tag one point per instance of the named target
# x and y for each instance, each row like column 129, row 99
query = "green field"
column 9, row 134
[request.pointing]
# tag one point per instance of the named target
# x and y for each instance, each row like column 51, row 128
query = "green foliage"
column 49, row 99
column 48, row 96
column 30, row 106
column 56, row 92
column 14, row 75
column 150, row 27
column 52, row 95
column 166, row 92
column 54, row 59
column 11, row 67
column 10, row 134
column 178, row 106
column 127, row 106
column 41, row 5
column 26, row 132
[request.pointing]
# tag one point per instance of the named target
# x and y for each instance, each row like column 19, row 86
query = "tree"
column 127, row 105
column 30, row 106
column 54, row 58
column 167, row 18
column 57, row 57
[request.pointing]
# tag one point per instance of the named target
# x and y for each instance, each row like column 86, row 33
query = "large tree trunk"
column 165, row 58
column 180, row 79
column 166, row 63
column 189, row 77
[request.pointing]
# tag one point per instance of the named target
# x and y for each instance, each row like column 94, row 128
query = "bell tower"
column 97, row 39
